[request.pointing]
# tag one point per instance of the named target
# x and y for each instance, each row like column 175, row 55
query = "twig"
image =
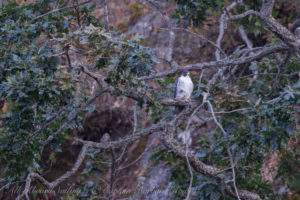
column 200, row 79
column 106, row 20
column 112, row 174
column 5, row 186
column 133, row 162
column 66, row 49
column 188, row 196
column 281, row 67
column 201, row 37
column 228, row 148
column 222, row 27
column 227, row 112
column 77, row 14
column 120, row 159
column 242, row 15
column 60, row 9
column 245, row 37
column 274, row 74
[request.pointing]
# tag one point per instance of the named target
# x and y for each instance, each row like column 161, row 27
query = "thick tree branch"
column 207, row 170
column 265, row 15
column 267, row 7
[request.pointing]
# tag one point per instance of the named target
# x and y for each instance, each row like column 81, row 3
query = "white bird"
column 184, row 87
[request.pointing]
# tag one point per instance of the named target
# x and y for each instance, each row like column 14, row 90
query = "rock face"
column 153, row 182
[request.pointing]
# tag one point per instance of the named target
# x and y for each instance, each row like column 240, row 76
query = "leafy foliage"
column 41, row 91
column 196, row 12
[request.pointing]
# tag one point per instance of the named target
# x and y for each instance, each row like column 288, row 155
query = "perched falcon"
column 184, row 87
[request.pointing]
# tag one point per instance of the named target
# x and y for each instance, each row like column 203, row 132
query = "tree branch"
column 242, row 15
column 227, row 147
column 60, row 9
column 80, row 109
column 106, row 15
column 200, row 167
column 125, row 140
column 59, row 180
column 221, row 63
column 267, row 7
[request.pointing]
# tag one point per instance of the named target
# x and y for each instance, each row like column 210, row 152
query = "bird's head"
column 185, row 73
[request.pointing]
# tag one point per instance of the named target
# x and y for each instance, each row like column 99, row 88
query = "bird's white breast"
column 184, row 87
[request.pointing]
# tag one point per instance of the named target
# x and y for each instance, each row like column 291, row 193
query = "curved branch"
column 203, row 168
column 221, row 63
column 59, row 180
column 267, row 7
column 244, row 14
column 123, row 141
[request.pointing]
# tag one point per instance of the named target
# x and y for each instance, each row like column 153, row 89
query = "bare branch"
column 265, row 15
column 112, row 174
column 49, row 121
column 125, row 140
column 176, row 102
column 249, row 46
column 97, row 77
column 244, row 14
column 169, row 53
column 26, row 189
column 120, row 159
column 222, row 27
column 59, row 180
column 188, row 196
column 245, row 37
column 64, row 8
column 201, row 37
column 200, row 167
column 200, row 79
column 106, row 15
column 281, row 67
column 135, row 161
column 228, row 148
column 221, row 63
